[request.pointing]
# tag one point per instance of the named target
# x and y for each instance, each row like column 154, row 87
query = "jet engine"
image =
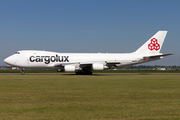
column 97, row 66
column 69, row 68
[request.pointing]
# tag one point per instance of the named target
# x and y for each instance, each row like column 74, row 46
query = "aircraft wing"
column 86, row 63
column 89, row 64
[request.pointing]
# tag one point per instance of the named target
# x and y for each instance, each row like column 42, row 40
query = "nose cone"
column 6, row 60
column 9, row 61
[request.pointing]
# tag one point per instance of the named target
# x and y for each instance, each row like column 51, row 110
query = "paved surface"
column 95, row 74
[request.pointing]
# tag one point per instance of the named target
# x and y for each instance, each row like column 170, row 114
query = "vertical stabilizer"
column 154, row 44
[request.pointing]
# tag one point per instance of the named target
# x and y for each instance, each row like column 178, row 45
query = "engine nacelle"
column 97, row 66
column 69, row 68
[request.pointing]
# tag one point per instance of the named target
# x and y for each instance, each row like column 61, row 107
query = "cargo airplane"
column 85, row 63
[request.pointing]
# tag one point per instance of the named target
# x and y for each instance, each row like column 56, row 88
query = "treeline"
column 136, row 67
column 149, row 67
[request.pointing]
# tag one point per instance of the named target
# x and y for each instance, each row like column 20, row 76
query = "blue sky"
column 113, row 26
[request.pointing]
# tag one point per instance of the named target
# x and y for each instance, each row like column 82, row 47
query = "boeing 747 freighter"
column 85, row 63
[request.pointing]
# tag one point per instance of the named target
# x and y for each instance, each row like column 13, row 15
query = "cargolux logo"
column 154, row 45
column 48, row 59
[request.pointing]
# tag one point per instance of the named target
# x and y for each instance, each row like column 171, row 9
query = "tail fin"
column 154, row 44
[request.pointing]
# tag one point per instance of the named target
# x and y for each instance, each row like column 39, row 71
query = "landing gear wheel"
column 84, row 73
column 22, row 72
column 88, row 73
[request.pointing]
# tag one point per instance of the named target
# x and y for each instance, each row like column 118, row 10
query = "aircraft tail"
column 154, row 44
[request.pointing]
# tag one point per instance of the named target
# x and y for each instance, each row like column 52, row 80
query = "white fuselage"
column 45, row 59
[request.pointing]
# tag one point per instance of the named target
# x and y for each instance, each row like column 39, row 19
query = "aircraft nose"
column 9, row 61
column 6, row 60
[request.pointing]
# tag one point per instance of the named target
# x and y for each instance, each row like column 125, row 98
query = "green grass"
column 71, row 97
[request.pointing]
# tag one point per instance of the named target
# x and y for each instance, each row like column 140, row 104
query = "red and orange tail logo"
column 154, row 45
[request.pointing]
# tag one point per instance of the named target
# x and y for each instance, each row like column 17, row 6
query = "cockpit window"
column 17, row 52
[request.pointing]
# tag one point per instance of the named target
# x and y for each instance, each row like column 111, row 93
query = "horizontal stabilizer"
column 162, row 55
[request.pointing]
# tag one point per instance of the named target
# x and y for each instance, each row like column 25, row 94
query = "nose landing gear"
column 22, row 72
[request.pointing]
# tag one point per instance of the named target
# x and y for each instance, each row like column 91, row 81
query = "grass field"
column 70, row 97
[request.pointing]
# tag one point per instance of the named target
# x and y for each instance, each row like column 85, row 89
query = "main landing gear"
column 83, row 73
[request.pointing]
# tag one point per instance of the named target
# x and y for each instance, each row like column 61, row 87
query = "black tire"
column 22, row 73
column 87, row 73
column 84, row 73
